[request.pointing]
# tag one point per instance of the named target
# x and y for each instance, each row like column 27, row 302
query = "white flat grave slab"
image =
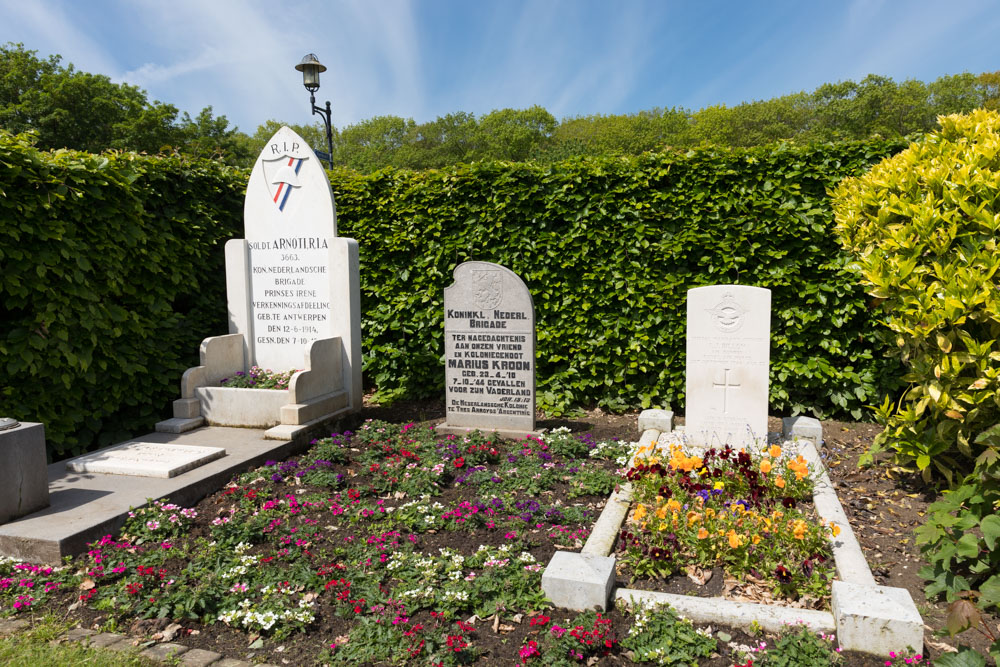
column 145, row 459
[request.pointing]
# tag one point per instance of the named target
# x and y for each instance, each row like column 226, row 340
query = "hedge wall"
column 112, row 273
column 608, row 248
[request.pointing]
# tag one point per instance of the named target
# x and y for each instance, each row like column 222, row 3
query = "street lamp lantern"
column 310, row 68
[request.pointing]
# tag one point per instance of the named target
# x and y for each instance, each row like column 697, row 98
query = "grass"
column 34, row 646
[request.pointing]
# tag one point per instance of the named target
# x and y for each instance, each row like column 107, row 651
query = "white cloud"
column 45, row 26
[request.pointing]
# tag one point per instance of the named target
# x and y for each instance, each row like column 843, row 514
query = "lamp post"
column 310, row 68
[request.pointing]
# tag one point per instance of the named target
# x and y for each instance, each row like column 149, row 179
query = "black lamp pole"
column 310, row 68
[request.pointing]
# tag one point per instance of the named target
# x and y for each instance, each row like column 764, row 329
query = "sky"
column 422, row 59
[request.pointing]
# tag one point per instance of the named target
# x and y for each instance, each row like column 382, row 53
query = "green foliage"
column 67, row 108
column 609, row 248
column 964, row 657
column 112, row 270
column 923, row 226
column 801, row 647
column 111, row 278
column 661, row 637
column 959, row 541
column 77, row 109
column 876, row 106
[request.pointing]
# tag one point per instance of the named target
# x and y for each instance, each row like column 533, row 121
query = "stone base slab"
column 248, row 408
column 178, row 425
column 508, row 434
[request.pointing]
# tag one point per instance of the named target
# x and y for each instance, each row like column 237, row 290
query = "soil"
column 883, row 504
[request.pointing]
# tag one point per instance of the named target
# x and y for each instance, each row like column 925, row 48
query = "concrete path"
column 166, row 652
column 86, row 506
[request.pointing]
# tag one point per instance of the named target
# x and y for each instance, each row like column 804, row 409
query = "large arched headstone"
column 290, row 221
column 489, row 331
column 293, row 292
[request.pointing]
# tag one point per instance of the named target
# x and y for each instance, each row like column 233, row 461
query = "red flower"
column 459, row 462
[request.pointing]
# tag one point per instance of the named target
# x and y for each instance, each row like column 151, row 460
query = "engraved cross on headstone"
column 725, row 387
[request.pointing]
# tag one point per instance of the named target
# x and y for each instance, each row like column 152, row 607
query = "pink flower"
column 529, row 650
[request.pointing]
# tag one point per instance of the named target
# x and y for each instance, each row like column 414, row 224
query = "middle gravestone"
column 489, row 333
column 728, row 352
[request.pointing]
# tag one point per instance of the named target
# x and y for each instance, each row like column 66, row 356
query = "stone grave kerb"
column 293, row 294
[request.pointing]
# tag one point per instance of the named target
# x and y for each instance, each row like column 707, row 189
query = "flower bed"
column 259, row 378
column 389, row 545
column 746, row 514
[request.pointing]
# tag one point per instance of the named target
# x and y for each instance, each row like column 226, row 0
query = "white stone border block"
column 852, row 565
column 713, row 611
column 876, row 619
column 579, row 581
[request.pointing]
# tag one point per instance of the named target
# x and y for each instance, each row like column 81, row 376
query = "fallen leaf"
column 496, row 622
column 506, row 628
column 698, row 575
column 170, row 631
column 941, row 646
column 87, row 584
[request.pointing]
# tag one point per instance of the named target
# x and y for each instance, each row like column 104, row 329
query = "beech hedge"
column 608, row 248
column 113, row 273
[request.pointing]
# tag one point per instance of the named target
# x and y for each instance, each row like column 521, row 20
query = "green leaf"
column 990, row 526
column 965, row 657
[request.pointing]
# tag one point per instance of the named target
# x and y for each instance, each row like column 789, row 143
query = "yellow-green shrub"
column 923, row 226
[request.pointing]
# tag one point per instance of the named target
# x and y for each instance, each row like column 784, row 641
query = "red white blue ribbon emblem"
column 286, row 179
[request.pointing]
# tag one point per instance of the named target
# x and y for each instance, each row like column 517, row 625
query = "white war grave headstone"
column 728, row 354
column 294, row 303
column 489, row 333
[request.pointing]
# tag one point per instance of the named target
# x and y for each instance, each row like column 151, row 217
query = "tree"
column 627, row 134
column 210, row 136
column 372, row 144
column 71, row 109
column 513, row 134
column 450, row 139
